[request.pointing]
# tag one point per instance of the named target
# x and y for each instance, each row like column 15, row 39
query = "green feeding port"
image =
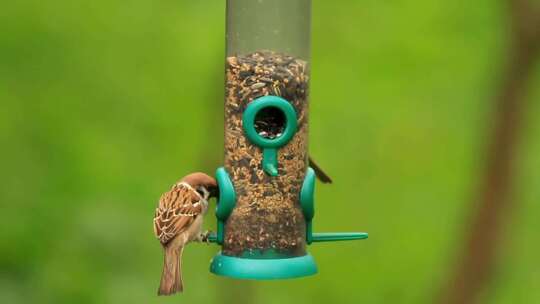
column 269, row 122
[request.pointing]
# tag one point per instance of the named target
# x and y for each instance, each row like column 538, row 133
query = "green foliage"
column 104, row 104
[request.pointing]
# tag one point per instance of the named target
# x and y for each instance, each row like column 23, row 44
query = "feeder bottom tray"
column 263, row 269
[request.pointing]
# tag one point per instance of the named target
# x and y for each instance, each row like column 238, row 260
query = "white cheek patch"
column 206, row 193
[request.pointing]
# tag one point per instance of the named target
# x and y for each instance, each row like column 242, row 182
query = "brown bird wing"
column 176, row 211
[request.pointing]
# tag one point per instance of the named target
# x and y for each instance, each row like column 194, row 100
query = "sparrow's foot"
column 204, row 237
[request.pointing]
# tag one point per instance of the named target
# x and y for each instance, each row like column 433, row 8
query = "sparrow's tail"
column 321, row 175
column 171, row 279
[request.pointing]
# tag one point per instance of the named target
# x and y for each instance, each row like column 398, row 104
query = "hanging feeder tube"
column 266, row 201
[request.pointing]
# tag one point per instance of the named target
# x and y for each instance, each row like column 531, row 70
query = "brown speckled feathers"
column 176, row 211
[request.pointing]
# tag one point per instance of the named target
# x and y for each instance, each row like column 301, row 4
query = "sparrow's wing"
column 176, row 212
column 321, row 175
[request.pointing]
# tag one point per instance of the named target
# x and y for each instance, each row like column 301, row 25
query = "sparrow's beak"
column 214, row 192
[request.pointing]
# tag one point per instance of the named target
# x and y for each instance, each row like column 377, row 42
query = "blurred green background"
column 104, row 104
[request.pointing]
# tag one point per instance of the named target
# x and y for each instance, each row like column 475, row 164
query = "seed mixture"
column 267, row 216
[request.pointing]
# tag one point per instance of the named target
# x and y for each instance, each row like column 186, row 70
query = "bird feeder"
column 265, row 208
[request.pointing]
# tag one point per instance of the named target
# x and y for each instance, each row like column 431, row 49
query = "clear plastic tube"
column 268, row 46
column 274, row 25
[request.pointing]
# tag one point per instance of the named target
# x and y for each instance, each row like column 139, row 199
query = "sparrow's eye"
column 203, row 192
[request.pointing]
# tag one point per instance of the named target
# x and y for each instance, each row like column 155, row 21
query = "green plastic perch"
column 321, row 237
column 338, row 236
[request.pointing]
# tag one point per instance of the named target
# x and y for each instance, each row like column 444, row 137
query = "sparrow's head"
column 204, row 184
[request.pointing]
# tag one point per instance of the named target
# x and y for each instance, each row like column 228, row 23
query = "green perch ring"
column 269, row 146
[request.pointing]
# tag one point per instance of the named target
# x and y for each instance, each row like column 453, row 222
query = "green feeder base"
column 263, row 269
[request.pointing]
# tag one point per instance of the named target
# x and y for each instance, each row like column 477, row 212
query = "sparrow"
column 321, row 175
column 178, row 220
